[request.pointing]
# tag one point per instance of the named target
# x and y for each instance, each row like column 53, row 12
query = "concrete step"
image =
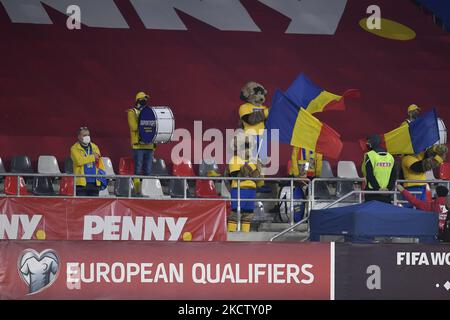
column 293, row 236
column 278, row 227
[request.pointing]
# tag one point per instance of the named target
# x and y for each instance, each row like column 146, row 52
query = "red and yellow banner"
column 111, row 219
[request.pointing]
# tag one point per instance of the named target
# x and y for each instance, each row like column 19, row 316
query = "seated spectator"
column 86, row 160
column 440, row 204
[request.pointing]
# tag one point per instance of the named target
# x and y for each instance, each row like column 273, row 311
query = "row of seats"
column 122, row 186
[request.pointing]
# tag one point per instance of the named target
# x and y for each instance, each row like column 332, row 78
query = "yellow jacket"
column 79, row 158
column 407, row 162
column 133, row 116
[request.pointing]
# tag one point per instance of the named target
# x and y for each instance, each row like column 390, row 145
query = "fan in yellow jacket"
column 142, row 152
column 86, row 160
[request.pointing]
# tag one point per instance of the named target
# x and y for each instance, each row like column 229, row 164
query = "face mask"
column 86, row 140
column 142, row 103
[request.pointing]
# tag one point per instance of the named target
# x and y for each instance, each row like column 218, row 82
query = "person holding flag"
column 415, row 166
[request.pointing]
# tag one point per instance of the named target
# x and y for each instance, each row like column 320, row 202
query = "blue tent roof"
column 363, row 222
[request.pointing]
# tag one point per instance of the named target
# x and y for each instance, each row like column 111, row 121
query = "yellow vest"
column 79, row 159
column 133, row 116
column 382, row 165
column 248, row 108
column 235, row 164
column 407, row 162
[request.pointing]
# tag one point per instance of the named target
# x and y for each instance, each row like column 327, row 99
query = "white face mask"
column 86, row 139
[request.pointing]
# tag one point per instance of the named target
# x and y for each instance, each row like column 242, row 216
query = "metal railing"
column 129, row 178
column 310, row 201
column 396, row 201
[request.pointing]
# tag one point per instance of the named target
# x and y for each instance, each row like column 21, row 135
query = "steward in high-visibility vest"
column 378, row 169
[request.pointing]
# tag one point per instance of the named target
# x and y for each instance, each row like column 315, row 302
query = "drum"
column 442, row 131
column 156, row 125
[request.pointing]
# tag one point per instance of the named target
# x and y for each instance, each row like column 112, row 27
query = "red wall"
column 53, row 80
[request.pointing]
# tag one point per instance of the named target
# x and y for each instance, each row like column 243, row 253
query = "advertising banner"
column 392, row 271
column 111, row 219
column 164, row 270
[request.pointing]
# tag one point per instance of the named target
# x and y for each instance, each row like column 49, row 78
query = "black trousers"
column 377, row 197
column 90, row 190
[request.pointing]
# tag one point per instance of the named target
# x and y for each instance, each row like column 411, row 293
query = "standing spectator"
column 413, row 114
column 142, row 152
column 440, row 205
column 415, row 166
column 379, row 170
column 86, row 160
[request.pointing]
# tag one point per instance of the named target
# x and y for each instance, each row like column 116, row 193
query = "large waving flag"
column 305, row 94
column 413, row 138
column 299, row 128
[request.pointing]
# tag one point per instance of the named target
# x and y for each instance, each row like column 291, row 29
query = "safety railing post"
column 74, row 185
column 238, row 204
column 291, row 215
column 184, row 189
column 129, row 181
column 18, row 186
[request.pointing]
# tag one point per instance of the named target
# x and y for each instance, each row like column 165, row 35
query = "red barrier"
column 139, row 270
column 112, row 219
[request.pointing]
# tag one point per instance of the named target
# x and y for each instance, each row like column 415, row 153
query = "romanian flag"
column 413, row 138
column 305, row 94
column 299, row 128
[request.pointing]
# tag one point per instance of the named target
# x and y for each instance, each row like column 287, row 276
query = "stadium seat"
column 224, row 192
column 2, row 167
column 346, row 170
column 159, row 167
column 326, row 170
column 206, row 166
column 183, row 168
column 151, row 188
column 11, row 186
column 122, row 187
column 444, row 171
column 205, row 189
column 126, row 166
column 48, row 165
column 176, row 189
column 66, row 186
column 320, row 187
column 109, row 170
column 68, row 165
column 21, row 164
column 42, row 186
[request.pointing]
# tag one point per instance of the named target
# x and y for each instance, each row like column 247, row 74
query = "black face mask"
column 142, row 103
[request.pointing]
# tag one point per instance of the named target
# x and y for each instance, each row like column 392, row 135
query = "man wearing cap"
column 142, row 152
column 413, row 114
column 379, row 170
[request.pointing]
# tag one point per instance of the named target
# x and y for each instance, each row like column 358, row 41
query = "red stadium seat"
column 11, row 186
column 183, row 168
column 444, row 171
column 66, row 186
column 126, row 166
column 205, row 189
